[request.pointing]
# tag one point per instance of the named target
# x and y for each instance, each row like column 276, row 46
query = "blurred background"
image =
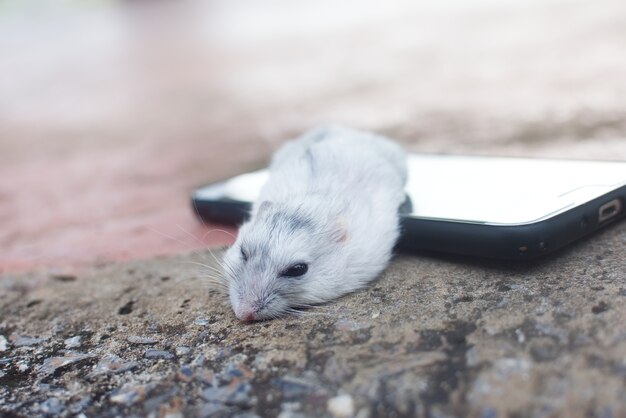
column 112, row 112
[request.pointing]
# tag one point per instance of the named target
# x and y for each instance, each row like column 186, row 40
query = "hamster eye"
column 296, row 270
column 244, row 255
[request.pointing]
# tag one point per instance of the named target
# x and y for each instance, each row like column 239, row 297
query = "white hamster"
column 325, row 223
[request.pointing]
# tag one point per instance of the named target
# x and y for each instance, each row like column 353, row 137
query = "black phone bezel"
column 506, row 242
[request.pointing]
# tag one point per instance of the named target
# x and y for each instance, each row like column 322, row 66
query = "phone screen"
column 486, row 190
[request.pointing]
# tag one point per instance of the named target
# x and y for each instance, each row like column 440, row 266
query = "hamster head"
column 285, row 257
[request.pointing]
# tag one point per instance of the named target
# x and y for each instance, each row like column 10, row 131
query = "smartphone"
column 502, row 208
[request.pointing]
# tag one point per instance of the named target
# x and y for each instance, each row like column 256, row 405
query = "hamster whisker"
column 225, row 265
column 233, row 236
column 206, row 263
column 205, row 224
column 214, row 276
column 296, row 312
column 212, row 283
column 220, row 262
column 208, row 267
column 304, row 312
column 201, row 240
column 163, row 234
column 190, row 234
column 215, row 281
column 184, row 244
column 193, row 237
column 306, row 307
column 215, row 259
column 209, row 275
column 318, row 307
column 218, row 289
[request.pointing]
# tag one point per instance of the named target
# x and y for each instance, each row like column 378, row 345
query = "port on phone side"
column 609, row 210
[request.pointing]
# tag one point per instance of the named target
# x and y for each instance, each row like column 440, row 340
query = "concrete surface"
column 434, row 337
column 103, row 135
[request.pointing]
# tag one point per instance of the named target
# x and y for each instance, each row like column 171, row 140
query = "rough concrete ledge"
column 435, row 336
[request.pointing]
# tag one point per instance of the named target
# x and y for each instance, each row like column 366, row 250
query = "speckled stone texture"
column 434, row 336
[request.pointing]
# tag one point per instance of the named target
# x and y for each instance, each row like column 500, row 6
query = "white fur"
column 331, row 202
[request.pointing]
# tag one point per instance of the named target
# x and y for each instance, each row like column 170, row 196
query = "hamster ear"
column 264, row 206
column 340, row 230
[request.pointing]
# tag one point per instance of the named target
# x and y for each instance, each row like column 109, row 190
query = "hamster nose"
column 246, row 315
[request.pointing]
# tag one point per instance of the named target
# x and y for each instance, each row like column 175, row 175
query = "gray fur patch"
column 291, row 222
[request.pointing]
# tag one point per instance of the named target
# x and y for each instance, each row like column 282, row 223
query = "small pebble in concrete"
column 600, row 307
column 349, row 325
column 23, row 366
column 336, row 371
column 506, row 367
column 159, row 354
column 236, row 371
column 135, row 339
column 209, row 410
column 291, row 406
column 185, row 374
column 182, row 350
column 542, row 352
column 207, row 376
column 293, row 388
column 51, row 406
column 52, row 364
column 126, row 309
column 341, row 406
column 64, row 277
column 489, row 412
column 73, row 342
column 79, row 405
column 113, row 364
column 234, row 394
column 3, row 343
column 19, row 341
column 129, row 396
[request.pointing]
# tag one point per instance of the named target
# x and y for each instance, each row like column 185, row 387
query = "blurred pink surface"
column 96, row 207
column 112, row 113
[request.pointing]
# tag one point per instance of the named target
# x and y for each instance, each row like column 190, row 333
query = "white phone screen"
column 486, row 190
